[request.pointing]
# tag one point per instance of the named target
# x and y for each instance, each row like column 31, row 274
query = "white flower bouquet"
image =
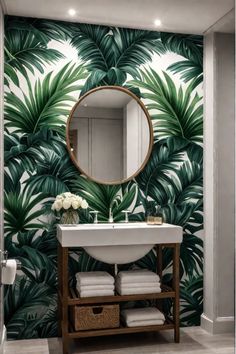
column 68, row 204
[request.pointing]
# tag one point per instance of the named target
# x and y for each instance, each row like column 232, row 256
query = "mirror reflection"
column 109, row 135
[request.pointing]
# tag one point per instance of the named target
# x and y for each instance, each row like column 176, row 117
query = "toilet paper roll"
column 9, row 272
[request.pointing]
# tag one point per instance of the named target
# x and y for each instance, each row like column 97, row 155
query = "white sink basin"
column 118, row 242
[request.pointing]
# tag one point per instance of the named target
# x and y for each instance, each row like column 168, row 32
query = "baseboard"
column 3, row 339
column 219, row 325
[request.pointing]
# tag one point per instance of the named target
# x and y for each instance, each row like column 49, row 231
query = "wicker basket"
column 95, row 317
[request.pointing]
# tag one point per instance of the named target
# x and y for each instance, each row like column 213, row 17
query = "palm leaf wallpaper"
column 48, row 66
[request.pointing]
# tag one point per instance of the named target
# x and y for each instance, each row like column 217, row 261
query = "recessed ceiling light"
column 71, row 12
column 157, row 22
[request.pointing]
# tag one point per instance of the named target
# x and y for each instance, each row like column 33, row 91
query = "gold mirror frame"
column 151, row 137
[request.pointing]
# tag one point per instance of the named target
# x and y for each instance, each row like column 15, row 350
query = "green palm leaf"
column 12, row 180
column 18, row 213
column 184, row 180
column 134, row 48
column 191, row 255
column 174, row 112
column 10, row 75
column 23, row 152
column 191, row 294
column 17, row 156
column 52, row 177
column 195, row 222
column 24, row 51
column 86, row 263
column 26, row 42
column 190, row 47
column 173, row 179
column 48, row 102
column 26, row 304
column 94, row 45
column 48, row 326
column 42, row 241
column 102, row 197
column 178, row 214
column 154, row 180
column 43, row 30
column 99, row 197
column 38, row 267
column 191, row 188
column 112, row 53
column 190, row 71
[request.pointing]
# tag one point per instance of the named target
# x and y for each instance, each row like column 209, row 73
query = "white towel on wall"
column 89, row 278
column 137, row 285
column 142, row 314
column 95, row 287
column 141, row 290
column 137, row 276
column 145, row 323
column 92, row 293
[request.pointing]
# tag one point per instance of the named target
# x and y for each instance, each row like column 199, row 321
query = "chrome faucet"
column 110, row 216
column 95, row 212
column 126, row 215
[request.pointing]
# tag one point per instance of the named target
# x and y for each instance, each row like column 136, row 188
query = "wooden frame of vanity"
column 69, row 297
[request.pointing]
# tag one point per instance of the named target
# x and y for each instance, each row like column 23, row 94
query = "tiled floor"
column 193, row 341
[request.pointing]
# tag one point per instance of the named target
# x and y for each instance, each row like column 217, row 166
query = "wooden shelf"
column 70, row 297
column 74, row 298
column 119, row 330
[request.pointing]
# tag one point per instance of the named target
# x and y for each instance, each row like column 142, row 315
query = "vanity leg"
column 65, row 345
column 176, row 289
column 159, row 303
column 59, row 304
column 159, row 261
column 64, row 305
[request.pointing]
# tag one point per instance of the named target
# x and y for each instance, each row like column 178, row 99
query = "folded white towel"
column 92, row 293
column 137, row 276
column 145, row 323
column 142, row 314
column 136, row 285
column 98, row 278
column 95, row 287
column 141, row 290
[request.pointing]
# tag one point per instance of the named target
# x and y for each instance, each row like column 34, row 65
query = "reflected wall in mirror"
column 109, row 135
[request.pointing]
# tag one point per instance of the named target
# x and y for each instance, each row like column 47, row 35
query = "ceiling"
column 181, row 16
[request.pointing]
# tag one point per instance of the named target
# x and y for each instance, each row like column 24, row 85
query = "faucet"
column 126, row 215
column 95, row 212
column 110, row 215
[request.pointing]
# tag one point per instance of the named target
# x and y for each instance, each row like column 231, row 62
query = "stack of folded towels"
column 148, row 316
column 91, row 284
column 141, row 281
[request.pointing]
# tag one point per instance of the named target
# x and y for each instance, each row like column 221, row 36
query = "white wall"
column 225, row 136
column 219, row 180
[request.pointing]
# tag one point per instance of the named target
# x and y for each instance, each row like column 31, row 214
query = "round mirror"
column 109, row 135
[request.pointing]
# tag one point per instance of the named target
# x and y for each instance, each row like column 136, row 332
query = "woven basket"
column 95, row 317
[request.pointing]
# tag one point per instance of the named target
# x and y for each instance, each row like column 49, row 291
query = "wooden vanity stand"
column 69, row 297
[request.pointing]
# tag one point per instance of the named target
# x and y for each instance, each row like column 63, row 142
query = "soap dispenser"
column 158, row 218
column 155, row 216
